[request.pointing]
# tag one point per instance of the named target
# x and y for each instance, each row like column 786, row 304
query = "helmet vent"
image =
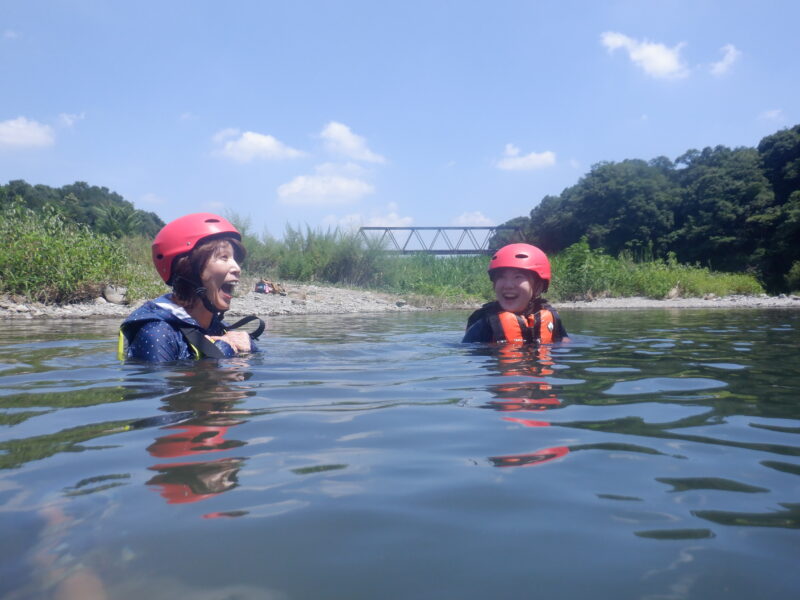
column 520, row 256
column 212, row 220
column 159, row 256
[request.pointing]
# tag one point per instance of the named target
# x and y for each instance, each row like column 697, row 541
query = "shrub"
column 47, row 259
column 793, row 277
column 581, row 273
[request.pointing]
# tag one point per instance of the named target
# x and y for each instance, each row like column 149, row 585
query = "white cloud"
column 69, row 119
column 657, row 60
column 250, row 145
column 188, row 116
column 512, row 161
column 152, row 199
column 340, row 140
column 775, row 114
column 729, row 56
column 10, row 34
column 323, row 190
column 347, row 222
column 349, row 169
column 224, row 134
column 473, row 219
column 390, row 218
column 22, row 133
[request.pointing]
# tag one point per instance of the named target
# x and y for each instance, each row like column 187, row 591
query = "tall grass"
column 582, row 273
column 793, row 277
column 578, row 272
column 140, row 277
column 333, row 256
column 449, row 277
column 47, row 259
column 346, row 258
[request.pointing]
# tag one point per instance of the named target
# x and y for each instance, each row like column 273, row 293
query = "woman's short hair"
column 187, row 268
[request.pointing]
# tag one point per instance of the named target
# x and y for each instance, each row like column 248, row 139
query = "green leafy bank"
column 48, row 259
column 731, row 209
column 579, row 272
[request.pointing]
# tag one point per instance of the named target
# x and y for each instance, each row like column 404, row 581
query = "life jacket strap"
column 121, row 346
column 200, row 344
column 255, row 334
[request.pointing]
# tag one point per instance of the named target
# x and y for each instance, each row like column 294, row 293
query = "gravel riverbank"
column 299, row 300
column 303, row 299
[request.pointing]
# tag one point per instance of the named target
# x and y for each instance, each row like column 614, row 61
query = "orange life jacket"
column 508, row 327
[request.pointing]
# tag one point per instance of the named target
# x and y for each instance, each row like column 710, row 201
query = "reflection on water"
column 374, row 456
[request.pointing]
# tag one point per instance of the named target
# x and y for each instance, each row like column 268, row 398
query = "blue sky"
column 379, row 113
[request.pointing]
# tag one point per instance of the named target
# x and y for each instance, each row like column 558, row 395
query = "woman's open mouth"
column 228, row 288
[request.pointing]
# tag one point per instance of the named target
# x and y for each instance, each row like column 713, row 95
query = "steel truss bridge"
column 438, row 240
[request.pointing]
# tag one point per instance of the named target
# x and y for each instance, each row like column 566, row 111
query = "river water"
column 656, row 455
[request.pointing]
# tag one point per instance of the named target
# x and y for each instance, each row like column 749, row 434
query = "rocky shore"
column 709, row 301
column 299, row 299
column 303, row 299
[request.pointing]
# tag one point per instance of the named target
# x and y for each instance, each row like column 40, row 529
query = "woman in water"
column 520, row 273
column 198, row 255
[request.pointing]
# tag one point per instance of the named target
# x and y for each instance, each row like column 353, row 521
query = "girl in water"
column 520, row 273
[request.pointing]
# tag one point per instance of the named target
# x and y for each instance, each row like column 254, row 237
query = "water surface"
column 655, row 455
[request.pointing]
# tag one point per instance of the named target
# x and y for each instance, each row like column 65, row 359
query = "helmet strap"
column 201, row 292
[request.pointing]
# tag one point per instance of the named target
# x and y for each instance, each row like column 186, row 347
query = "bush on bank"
column 48, row 259
column 579, row 272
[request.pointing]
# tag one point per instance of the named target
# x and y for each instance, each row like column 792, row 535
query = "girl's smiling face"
column 514, row 288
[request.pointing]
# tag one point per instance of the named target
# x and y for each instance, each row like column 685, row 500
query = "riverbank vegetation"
column 52, row 260
column 579, row 272
column 48, row 259
column 733, row 210
column 98, row 208
column 718, row 221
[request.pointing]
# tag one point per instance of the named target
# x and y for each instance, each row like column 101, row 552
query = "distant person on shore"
column 198, row 255
column 520, row 273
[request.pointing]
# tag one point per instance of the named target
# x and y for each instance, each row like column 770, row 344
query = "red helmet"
column 182, row 235
column 522, row 256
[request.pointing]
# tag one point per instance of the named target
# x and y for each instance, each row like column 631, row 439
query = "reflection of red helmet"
column 182, row 235
column 522, row 256
column 191, row 439
column 528, row 460
column 180, row 493
column 528, row 422
column 180, row 483
column 523, row 404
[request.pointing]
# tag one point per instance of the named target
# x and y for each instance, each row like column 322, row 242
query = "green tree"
column 780, row 158
column 519, row 233
column 97, row 207
column 116, row 220
column 617, row 206
column 724, row 214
